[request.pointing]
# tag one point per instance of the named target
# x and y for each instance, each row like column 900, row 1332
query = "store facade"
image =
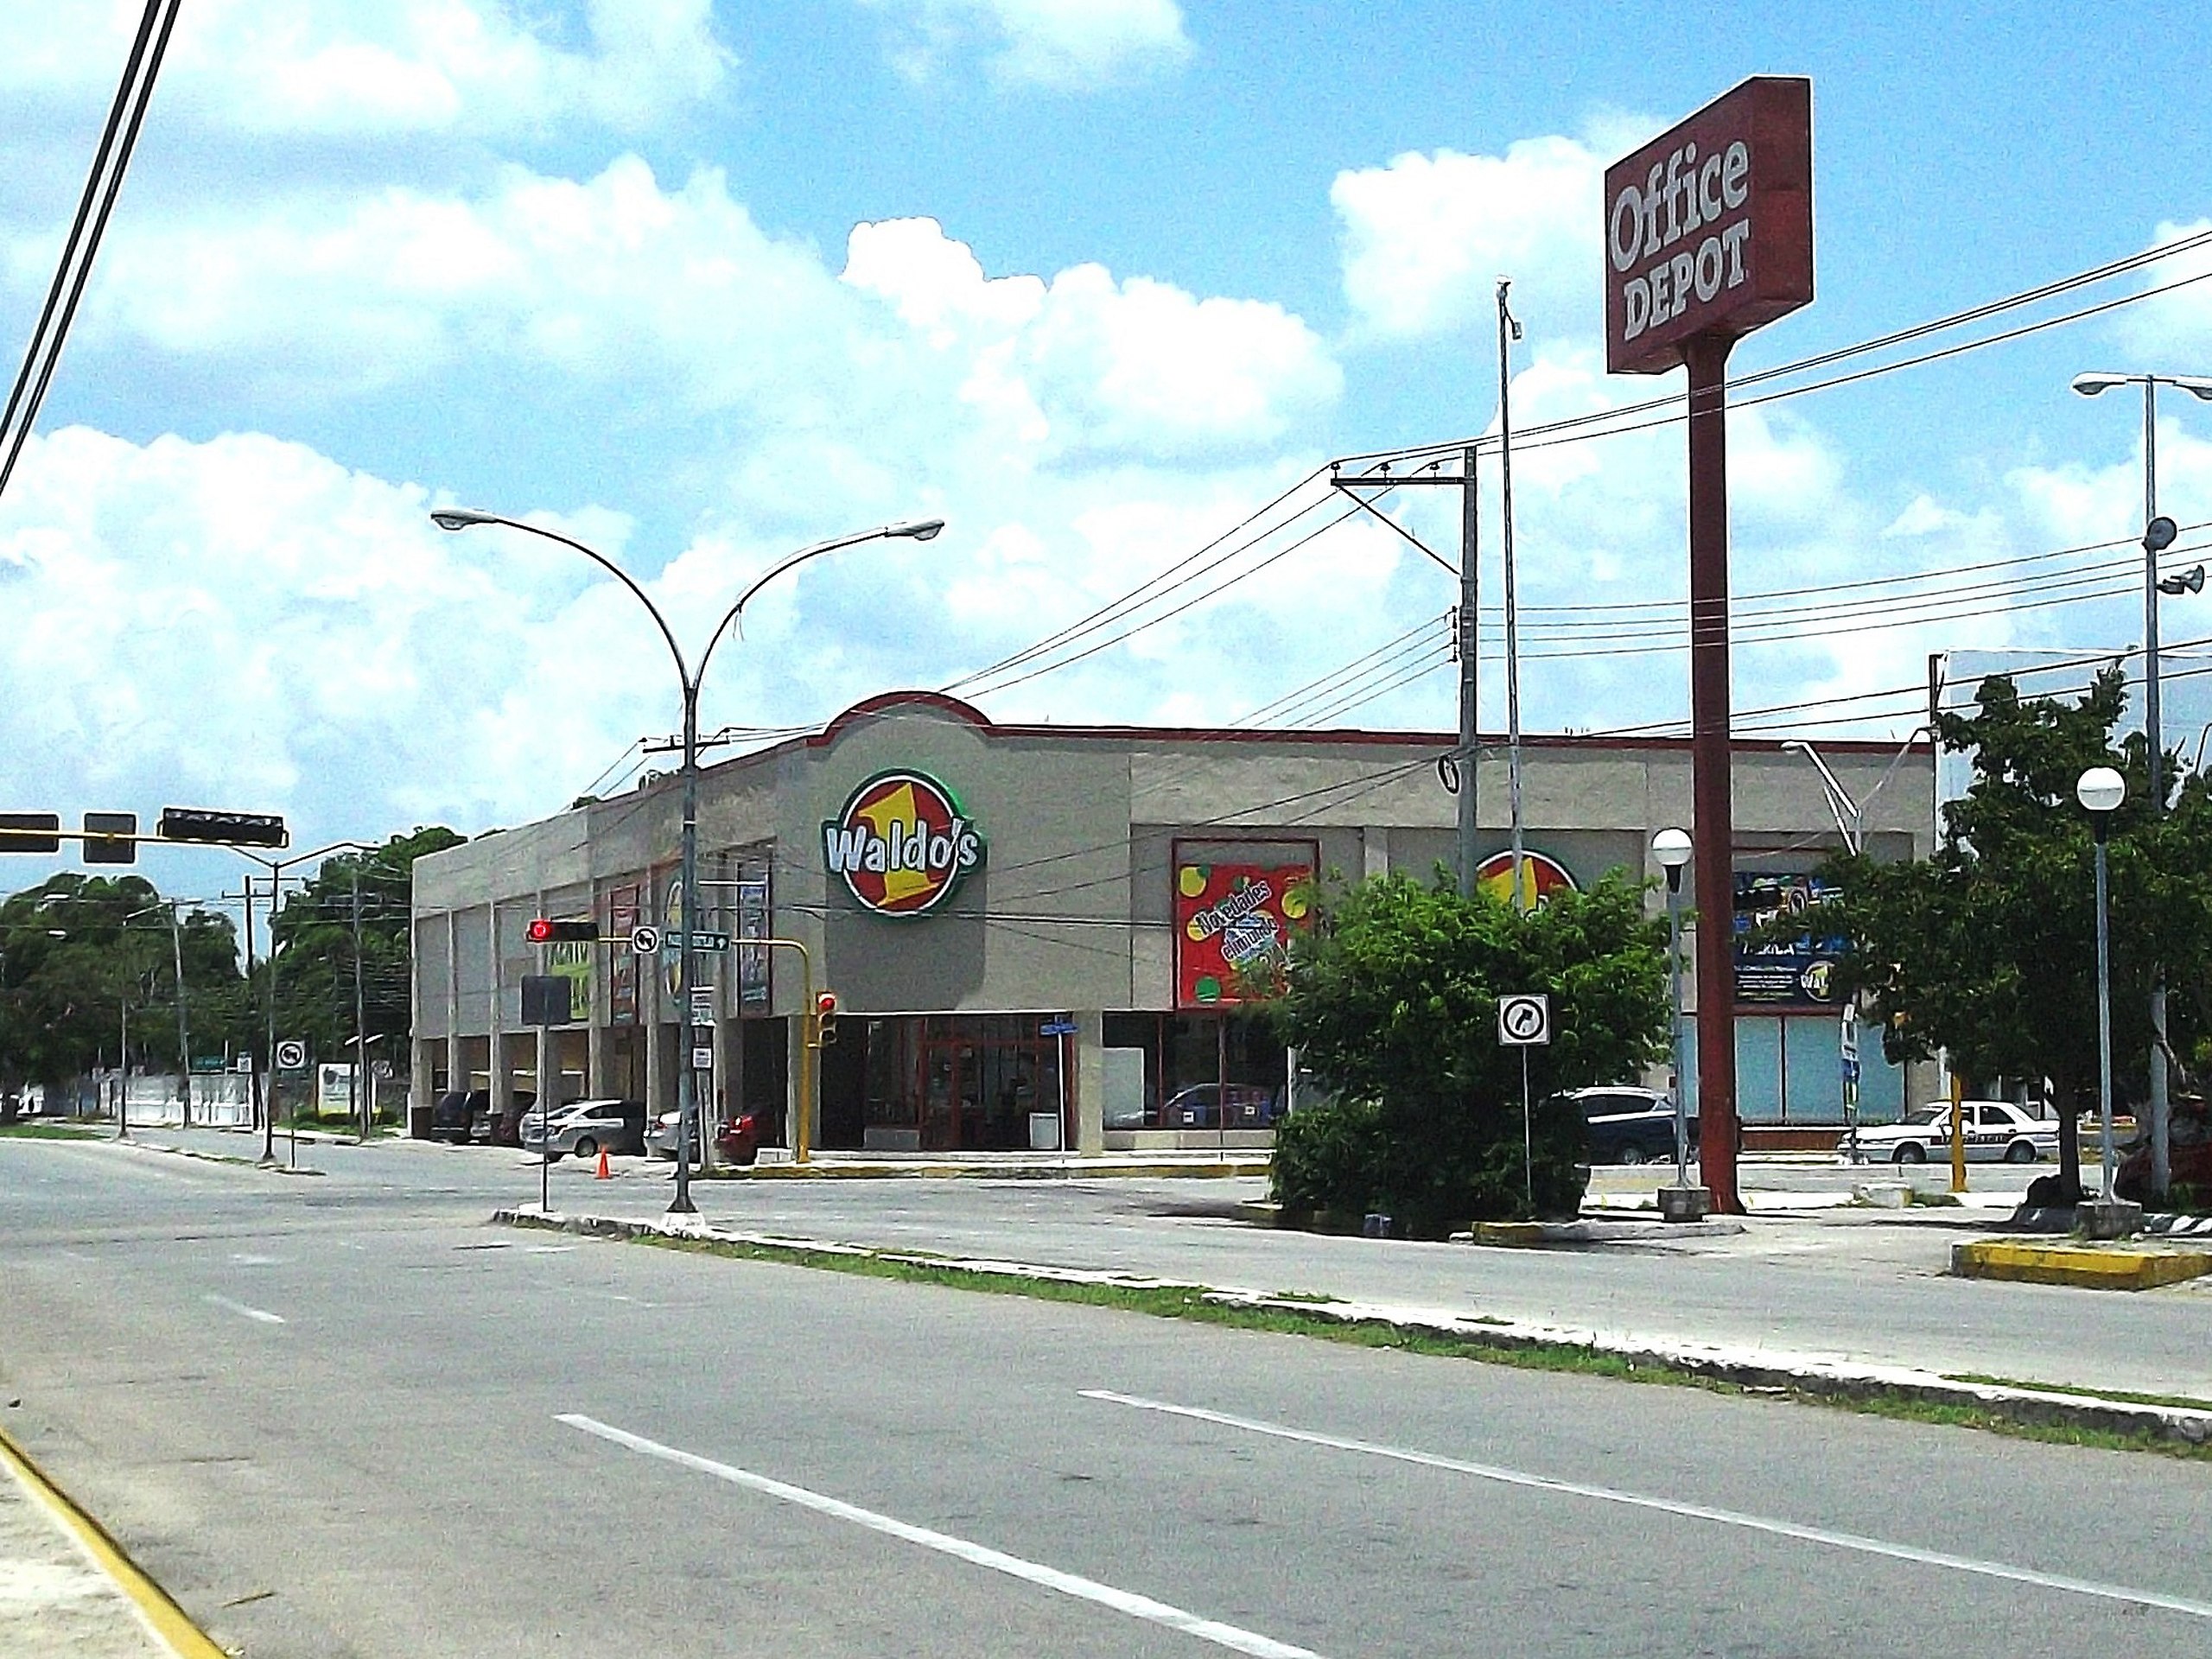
column 1046, row 936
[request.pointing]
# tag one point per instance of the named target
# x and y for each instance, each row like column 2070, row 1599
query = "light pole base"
column 1685, row 1203
column 683, row 1207
column 2108, row 1218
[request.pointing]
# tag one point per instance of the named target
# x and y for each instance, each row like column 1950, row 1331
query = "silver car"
column 582, row 1128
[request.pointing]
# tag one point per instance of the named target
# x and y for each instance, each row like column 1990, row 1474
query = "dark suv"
column 1629, row 1126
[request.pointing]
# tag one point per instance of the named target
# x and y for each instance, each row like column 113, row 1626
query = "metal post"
column 2104, row 1020
column 1469, row 753
column 1674, row 1019
column 361, row 1018
column 2160, row 1109
column 183, row 1029
column 1528, row 1135
column 252, row 1062
column 1505, row 325
column 1958, row 1133
column 1712, row 812
column 122, row 1084
column 687, row 1095
column 269, row 1123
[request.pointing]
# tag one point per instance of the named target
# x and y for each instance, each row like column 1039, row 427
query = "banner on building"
column 752, row 923
column 623, row 913
column 1233, row 924
column 1794, row 972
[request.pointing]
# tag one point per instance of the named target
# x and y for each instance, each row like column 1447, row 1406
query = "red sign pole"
column 1712, row 817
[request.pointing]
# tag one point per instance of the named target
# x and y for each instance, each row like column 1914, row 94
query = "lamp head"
column 2196, row 385
column 461, row 518
column 2098, row 380
column 1671, row 848
column 2159, row 535
column 920, row 530
column 2101, row 790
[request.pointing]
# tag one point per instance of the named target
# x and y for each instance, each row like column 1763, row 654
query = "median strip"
column 1901, row 1391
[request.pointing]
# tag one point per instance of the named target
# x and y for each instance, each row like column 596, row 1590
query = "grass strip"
column 52, row 1132
column 1196, row 1303
column 2180, row 1402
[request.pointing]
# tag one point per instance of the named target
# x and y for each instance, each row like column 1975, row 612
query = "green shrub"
column 1329, row 1156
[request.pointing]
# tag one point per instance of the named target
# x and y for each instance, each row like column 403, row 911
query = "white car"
column 583, row 1128
column 1996, row 1132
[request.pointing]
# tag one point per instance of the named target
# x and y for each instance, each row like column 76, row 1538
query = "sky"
column 1094, row 281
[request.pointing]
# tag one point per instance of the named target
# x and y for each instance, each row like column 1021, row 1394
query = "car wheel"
column 586, row 1148
column 1911, row 1152
column 2020, row 1152
column 1629, row 1155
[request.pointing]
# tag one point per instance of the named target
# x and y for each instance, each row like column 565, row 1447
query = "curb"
column 1819, row 1375
column 2086, row 1265
column 213, row 1157
column 172, row 1627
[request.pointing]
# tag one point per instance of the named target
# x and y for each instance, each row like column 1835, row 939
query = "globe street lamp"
column 2159, row 535
column 1681, row 1202
column 2100, row 791
column 459, row 519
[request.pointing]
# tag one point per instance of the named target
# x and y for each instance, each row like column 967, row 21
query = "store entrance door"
column 980, row 1078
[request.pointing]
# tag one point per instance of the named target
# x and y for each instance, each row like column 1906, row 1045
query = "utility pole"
column 360, row 1021
column 1468, row 755
column 183, row 1027
column 252, row 1062
column 1508, row 329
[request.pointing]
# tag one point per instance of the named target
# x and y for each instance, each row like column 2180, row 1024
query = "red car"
column 738, row 1141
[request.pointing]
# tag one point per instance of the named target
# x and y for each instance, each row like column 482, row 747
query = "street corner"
column 69, row 1587
column 2094, row 1266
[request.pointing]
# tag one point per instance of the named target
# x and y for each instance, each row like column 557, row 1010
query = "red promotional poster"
column 1233, row 924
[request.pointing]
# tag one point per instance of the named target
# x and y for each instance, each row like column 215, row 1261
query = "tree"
column 315, row 941
column 1988, row 950
column 77, row 950
column 1391, row 999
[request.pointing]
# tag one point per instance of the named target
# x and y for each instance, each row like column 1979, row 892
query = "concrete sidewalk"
column 66, row 1587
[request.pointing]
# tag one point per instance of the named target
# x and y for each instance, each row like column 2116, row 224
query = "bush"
column 1329, row 1156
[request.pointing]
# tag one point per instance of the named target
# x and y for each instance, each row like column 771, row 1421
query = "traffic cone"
column 605, row 1174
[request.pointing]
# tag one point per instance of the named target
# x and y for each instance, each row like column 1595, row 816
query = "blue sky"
column 1092, row 281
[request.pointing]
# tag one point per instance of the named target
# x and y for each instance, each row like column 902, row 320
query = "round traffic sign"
column 1524, row 1020
column 291, row 1055
column 645, row 940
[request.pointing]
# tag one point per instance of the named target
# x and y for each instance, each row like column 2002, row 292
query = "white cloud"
column 2177, row 325
column 338, row 66
column 1065, row 45
column 1425, row 237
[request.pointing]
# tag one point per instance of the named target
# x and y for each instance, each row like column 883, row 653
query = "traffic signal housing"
column 825, row 1018
column 31, row 832
column 547, row 929
column 110, row 838
column 200, row 825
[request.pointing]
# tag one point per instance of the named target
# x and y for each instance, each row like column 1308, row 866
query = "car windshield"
column 1926, row 1115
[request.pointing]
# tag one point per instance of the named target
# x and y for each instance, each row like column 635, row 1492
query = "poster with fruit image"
column 1233, row 924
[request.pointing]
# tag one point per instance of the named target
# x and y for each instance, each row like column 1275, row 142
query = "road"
column 338, row 1416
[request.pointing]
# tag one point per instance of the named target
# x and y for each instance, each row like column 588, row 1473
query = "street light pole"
column 2158, row 536
column 687, row 1103
column 1681, row 1202
column 2101, row 790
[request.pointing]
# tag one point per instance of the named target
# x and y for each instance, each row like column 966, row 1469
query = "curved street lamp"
column 919, row 530
column 2101, row 790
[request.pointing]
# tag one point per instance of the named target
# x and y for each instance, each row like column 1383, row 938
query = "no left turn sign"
column 1524, row 1021
column 645, row 940
column 291, row 1055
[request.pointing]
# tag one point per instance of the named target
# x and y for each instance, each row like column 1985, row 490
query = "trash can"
column 1043, row 1131
column 418, row 1123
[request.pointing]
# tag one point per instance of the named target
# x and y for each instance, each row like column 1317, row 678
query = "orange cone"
column 605, row 1174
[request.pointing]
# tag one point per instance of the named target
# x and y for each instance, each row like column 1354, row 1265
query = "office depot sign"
column 1709, row 228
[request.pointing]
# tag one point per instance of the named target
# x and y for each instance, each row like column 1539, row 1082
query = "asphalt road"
column 338, row 1417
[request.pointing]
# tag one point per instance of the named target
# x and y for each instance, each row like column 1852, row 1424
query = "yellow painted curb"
column 171, row 1625
column 1509, row 1232
column 2096, row 1267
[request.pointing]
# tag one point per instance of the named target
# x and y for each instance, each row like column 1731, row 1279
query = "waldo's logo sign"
column 902, row 843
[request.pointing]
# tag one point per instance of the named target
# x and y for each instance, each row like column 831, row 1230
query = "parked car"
column 450, row 1119
column 660, row 1139
column 1996, row 1131
column 586, row 1127
column 738, row 1141
column 492, row 1127
column 1220, row 1106
column 1628, row 1125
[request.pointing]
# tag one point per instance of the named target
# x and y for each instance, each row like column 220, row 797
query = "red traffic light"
column 825, row 1004
column 546, row 931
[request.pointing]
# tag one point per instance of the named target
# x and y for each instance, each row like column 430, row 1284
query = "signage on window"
column 1795, row 972
column 1233, row 924
column 902, row 845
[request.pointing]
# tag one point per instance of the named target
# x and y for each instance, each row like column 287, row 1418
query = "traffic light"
column 195, row 824
column 31, row 832
column 545, row 930
column 825, row 1019
column 110, row 838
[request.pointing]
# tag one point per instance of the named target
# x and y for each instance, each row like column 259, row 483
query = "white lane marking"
column 262, row 1315
column 1851, row 1541
column 1121, row 1601
column 245, row 1260
column 547, row 1249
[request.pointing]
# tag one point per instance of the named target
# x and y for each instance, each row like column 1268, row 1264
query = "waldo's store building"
column 1042, row 936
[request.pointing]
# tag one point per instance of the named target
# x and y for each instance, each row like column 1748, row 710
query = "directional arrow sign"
column 645, row 940
column 1524, row 1021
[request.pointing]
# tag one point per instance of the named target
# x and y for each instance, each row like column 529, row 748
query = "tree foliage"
column 1392, row 1002
column 1988, row 950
